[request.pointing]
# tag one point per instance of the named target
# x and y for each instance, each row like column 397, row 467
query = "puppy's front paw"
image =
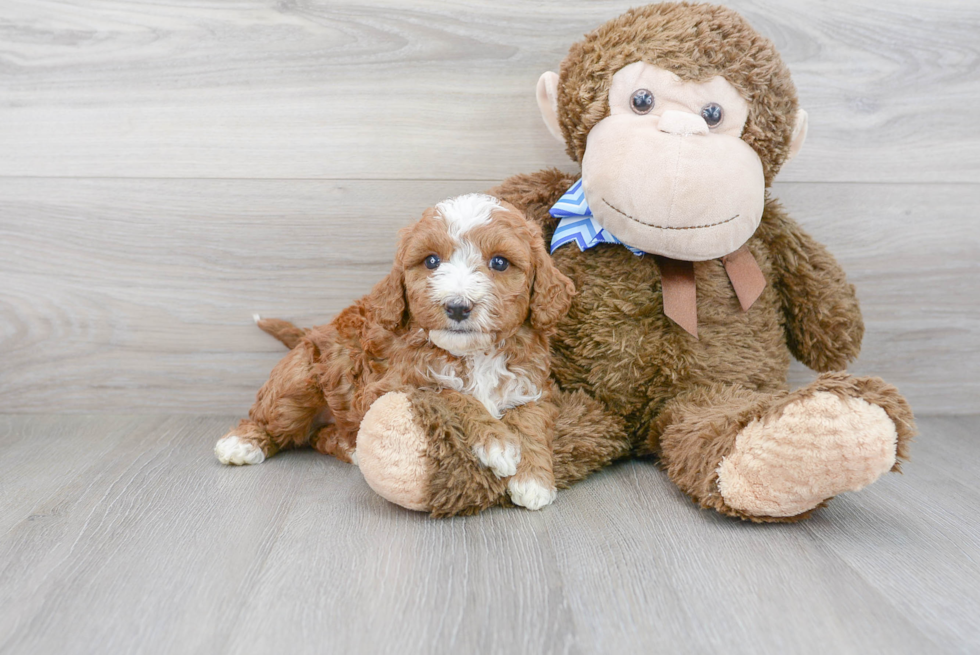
column 531, row 493
column 230, row 449
column 500, row 457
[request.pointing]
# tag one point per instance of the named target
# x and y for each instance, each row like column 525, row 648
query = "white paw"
column 530, row 493
column 500, row 457
column 353, row 458
column 232, row 450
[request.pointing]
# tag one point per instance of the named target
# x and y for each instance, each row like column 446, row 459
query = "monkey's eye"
column 712, row 113
column 432, row 261
column 498, row 263
column 642, row 101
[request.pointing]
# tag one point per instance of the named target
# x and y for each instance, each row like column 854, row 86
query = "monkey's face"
column 667, row 172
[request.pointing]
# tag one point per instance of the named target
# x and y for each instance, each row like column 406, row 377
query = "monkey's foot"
column 818, row 446
column 414, row 450
column 391, row 452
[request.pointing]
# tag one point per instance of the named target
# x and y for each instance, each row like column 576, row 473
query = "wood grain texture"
column 386, row 89
column 144, row 543
column 135, row 291
column 124, row 295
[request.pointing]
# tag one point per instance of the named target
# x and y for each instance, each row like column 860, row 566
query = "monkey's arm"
column 823, row 320
column 535, row 193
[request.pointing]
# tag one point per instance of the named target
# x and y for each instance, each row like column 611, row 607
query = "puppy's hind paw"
column 231, row 449
column 500, row 457
column 531, row 493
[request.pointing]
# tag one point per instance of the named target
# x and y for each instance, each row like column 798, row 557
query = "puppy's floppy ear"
column 551, row 292
column 387, row 298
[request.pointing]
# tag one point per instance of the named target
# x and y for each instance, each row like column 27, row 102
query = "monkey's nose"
column 682, row 123
column 458, row 311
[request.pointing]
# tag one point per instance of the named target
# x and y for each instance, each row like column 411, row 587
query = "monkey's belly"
column 617, row 344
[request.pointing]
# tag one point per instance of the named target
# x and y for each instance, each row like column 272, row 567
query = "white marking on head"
column 463, row 213
column 462, row 278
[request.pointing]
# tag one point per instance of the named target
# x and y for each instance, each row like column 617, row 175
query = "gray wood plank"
column 915, row 537
column 156, row 548
column 384, row 89
column 43, row 454
column 418, row 585
column 138, row 294
column 150, row 551
column 689, row 580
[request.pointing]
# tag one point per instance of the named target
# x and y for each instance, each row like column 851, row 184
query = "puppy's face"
column 471, row 270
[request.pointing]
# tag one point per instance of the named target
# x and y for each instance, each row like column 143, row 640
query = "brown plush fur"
column 319, row 392
column 617, row 345
column 633, row 381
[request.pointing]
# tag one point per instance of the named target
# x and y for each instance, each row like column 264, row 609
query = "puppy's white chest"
column 486, row 377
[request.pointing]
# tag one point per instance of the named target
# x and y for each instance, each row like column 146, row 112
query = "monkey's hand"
column 823, row 319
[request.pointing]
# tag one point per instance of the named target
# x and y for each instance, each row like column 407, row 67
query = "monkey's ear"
column 798, row 136
column 548, row 103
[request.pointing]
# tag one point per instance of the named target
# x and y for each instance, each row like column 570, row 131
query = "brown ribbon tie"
column 680, row 291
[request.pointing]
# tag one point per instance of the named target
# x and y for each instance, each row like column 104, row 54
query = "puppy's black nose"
column 458, row 311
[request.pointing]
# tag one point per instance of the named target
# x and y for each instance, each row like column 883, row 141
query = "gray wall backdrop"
column 168, row 169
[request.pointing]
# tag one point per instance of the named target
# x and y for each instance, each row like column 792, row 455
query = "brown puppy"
column 467, row 308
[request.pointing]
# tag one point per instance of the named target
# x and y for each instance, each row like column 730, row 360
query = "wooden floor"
column 123, row 534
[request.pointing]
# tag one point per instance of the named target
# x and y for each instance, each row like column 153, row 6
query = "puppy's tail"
column 285, row 331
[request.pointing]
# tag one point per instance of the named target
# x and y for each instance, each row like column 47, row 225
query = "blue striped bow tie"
column 578, row 225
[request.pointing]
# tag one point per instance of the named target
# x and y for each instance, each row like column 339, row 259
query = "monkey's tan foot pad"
column 391, row 452
column 231, row 449
column 818, row 447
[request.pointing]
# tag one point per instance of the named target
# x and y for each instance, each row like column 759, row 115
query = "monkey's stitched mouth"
column 667, row 227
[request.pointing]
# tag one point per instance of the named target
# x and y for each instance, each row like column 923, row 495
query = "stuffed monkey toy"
column 694, row 289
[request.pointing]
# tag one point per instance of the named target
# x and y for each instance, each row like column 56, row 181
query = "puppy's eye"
column 498, row 263
column 642, row 101
column 432, row 261
column 712, row 113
